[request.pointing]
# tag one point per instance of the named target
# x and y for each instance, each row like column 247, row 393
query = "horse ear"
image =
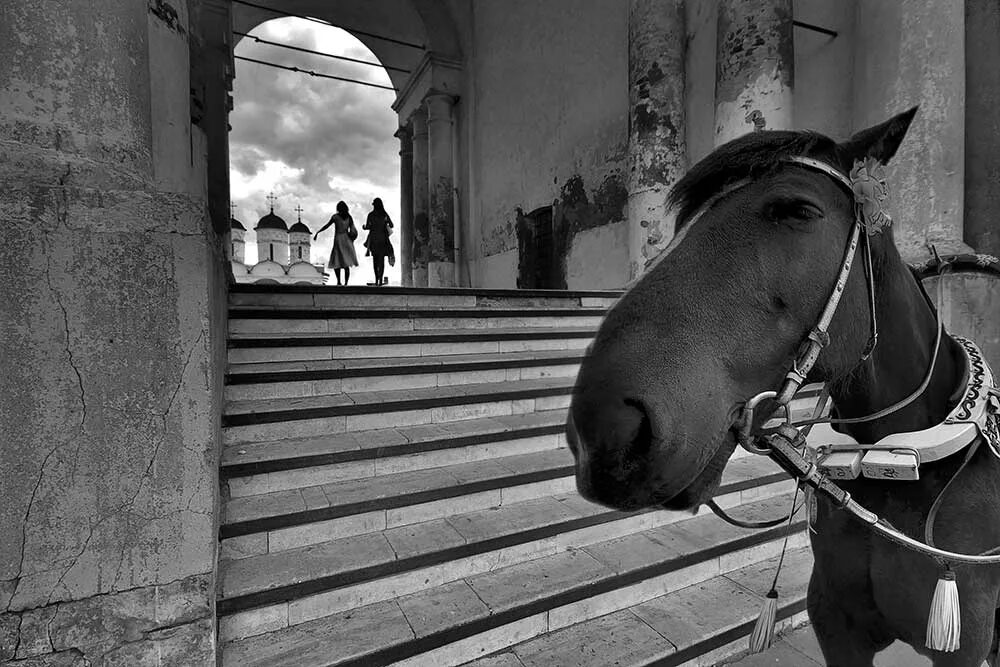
column 880, row 141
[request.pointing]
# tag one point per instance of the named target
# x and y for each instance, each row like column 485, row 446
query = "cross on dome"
column 271, row 198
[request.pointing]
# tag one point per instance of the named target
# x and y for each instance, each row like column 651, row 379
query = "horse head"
column 718, row 318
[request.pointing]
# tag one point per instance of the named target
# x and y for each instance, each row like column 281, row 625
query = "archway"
column 310, row 140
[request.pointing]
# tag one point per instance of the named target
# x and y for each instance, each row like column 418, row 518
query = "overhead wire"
column 281, row 12
column 320, row 53
column 320, row 75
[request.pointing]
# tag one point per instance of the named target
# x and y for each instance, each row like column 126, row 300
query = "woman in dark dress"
column 379, row 228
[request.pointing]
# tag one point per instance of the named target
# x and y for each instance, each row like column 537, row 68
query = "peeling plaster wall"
column 113, row 338
column 550, row 112
column 597, row 256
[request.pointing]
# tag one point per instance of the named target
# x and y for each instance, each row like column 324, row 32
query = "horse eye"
column 793, row 209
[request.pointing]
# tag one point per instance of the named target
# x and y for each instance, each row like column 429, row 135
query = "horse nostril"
column 636, row 427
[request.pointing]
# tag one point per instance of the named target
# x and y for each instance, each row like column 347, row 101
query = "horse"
column 762, row 224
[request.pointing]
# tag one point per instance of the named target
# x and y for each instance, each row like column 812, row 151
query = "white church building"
column 283, row 253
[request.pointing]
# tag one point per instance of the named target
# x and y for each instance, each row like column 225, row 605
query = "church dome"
column 236, row 224
column 299, row 228
column 271, row 221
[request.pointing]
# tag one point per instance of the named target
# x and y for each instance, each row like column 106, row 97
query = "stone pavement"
column 800, row 649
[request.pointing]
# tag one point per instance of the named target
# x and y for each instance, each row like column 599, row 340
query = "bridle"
column 819, row 336
column 786, row 443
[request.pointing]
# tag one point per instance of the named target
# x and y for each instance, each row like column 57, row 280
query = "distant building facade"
column 283, row 253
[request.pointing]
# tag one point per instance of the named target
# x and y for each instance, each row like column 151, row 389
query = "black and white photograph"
column 499, row 333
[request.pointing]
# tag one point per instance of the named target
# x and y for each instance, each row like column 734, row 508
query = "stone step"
column 271, row 419
column 271, row 296
column 264, row 467
column 483, row 613
column 697, row 626
column 320, row 321
column 371, row 566
column 309, row 378
column 255, row 348
column 283, row 520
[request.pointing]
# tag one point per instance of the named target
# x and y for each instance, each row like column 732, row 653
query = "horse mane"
column 750, row 156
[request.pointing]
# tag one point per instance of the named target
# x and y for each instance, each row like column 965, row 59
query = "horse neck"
column 907, row 334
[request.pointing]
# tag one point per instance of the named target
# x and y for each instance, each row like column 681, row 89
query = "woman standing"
column 379, row 228
column 342, row 255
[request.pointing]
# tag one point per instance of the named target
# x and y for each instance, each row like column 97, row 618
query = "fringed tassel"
column 763, row 630
column 944, row 623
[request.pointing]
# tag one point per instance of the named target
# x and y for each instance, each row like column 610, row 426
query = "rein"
column 785, row 444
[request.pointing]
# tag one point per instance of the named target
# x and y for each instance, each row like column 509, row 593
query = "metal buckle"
column 744, row 437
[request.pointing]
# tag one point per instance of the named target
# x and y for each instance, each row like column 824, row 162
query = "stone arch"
column 425, row 22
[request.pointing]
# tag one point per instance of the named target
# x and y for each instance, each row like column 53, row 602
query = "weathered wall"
column 113, row 311
column 550, row 124
column 969, row 305
column 908, row 53
column 982, row 125
column 824, row 67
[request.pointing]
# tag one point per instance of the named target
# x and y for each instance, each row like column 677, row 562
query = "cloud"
column 311, row 141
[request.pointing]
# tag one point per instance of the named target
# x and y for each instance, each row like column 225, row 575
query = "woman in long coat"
column 379, row 228
column 342, row 255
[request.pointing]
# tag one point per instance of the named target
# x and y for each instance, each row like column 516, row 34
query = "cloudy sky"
column 312, row 141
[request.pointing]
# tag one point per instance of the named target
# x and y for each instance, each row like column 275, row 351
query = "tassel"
column 763, row 630
column 944, row 623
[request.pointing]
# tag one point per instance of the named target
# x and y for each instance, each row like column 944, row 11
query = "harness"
column 897, row 456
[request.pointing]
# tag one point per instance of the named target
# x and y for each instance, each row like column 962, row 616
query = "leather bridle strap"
column 819, row 336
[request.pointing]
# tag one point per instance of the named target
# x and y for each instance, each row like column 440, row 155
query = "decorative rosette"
column 871, row 194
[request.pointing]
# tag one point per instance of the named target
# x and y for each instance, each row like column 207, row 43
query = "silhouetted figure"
column 342, row 255
column 379, row 228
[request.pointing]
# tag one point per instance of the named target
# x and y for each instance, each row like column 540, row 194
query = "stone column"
column 754, row 67
column 404, row 228
column 111, row 395
column 441, row 263
column 212, row 76
column 910, row 53
column 421, row 230
column 657, row 146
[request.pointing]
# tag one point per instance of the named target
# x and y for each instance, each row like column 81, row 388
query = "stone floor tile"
column 421, row 538
column 287, row 448
column 441, row 607
column 499, row 660
column 357, row 490
column 781, row 654
column 314, row 497
column 690, row 614
column 325, row 640
column 298, row 403
column 507, row 519
column 465, row 473
column 615, row 639
column 271, row 504
column 629, row 553
column 793, row 580
column 296, row 565
column 529, row 581
column 804, row 641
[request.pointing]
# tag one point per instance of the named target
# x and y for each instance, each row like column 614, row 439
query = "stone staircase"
column 397, row 490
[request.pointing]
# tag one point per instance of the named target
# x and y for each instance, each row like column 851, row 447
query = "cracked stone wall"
column 112, row 334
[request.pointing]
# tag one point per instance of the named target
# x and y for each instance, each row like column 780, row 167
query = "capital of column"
column 439, row 107
column 405, row 140
column 418, row 123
